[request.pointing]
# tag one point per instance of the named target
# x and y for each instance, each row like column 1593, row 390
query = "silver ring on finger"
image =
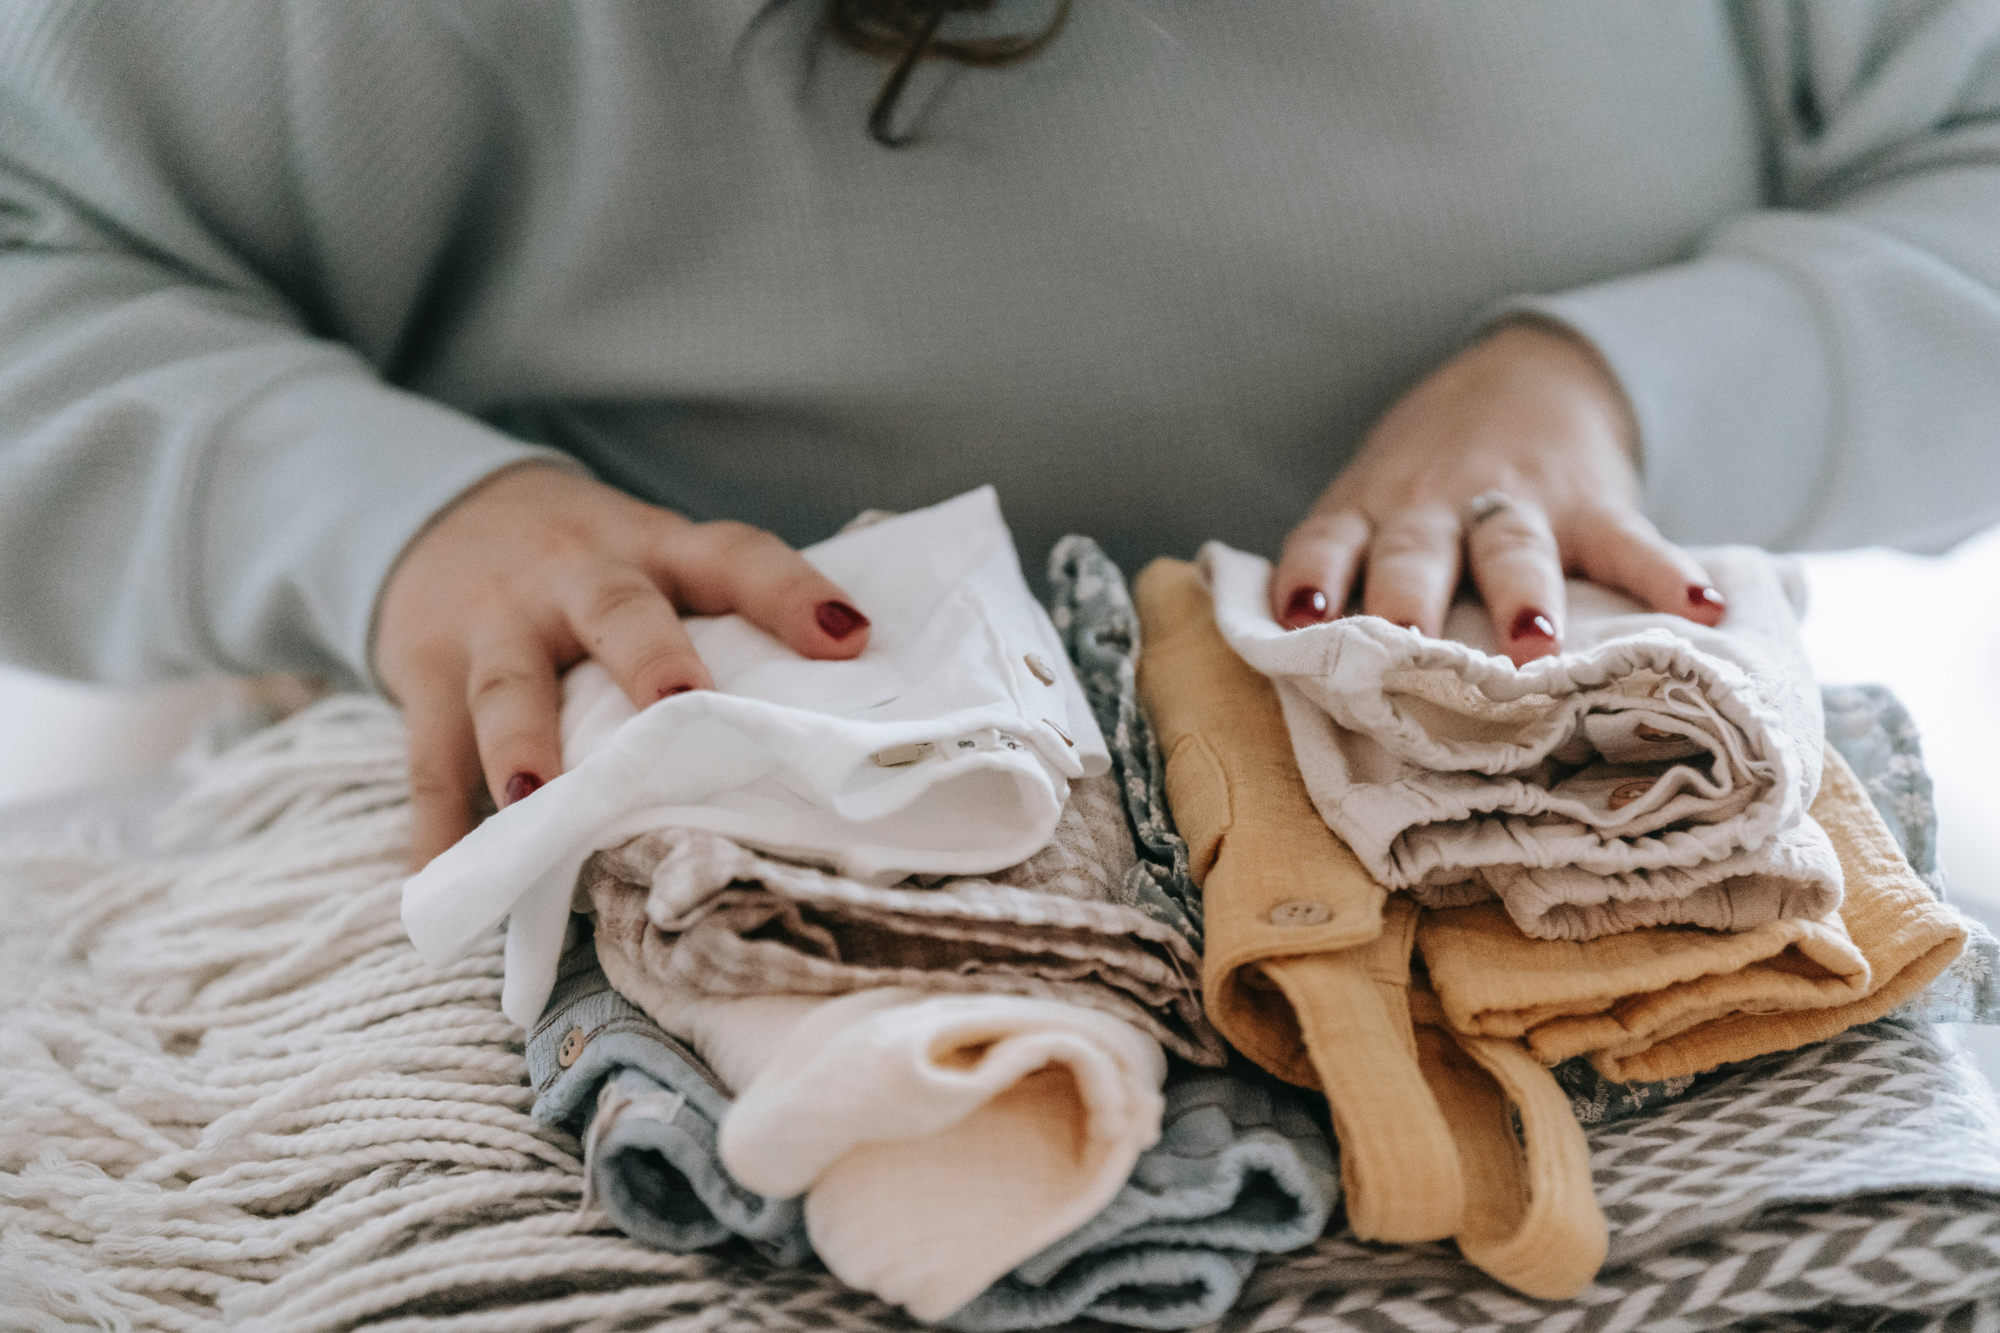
column 1484, row 506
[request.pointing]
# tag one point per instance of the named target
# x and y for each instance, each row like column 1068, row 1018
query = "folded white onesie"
column 947, row 747
column 1655, row 772
column 940, row 1140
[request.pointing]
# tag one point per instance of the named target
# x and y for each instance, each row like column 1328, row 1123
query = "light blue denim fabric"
column 655, row 1171
column 1241, row 1169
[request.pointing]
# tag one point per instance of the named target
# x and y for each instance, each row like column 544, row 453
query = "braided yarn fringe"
column 231, row 1095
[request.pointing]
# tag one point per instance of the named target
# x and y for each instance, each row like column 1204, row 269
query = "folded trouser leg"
column 1399, row 1167
column 1531, row 1216
column 1305, row 967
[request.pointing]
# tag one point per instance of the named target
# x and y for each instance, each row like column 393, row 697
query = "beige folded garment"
column 1656, row 772
column 694, row 910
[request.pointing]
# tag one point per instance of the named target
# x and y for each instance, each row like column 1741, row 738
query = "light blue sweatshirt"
column 273, row 275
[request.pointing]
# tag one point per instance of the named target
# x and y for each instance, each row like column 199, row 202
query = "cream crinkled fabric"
column 946, row 748
column 940, row 1140
column 1656, row 772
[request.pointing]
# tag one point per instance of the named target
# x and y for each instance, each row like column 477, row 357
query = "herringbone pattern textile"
column 1854, row 1184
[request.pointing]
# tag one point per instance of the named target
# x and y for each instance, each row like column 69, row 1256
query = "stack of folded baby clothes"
column 873, row 967
column 1626, row 852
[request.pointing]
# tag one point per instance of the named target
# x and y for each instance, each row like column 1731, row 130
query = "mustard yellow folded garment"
column 1307, row 972
column 1906, row 935
column 1618, row 995
column 1667, row 1002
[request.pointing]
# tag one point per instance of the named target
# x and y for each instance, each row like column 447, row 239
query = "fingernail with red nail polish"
column 671, row 690
column 520, row 787
column 1533, row 623
column 1410, row 625
column 1307, row 606
column 1701, row 595
column 839, row 619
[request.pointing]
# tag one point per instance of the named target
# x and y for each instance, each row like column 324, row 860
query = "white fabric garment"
column 940, row 1141
column 1655, row 772
column 945, row 748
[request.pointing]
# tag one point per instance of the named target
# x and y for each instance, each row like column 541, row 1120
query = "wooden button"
column 1300, row 912
column 1627, row 792
column 1042, row 670
column 572, row 1046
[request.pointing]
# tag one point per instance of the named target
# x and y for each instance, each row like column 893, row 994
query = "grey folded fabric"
column 1241, row 1170
column 647, row 1109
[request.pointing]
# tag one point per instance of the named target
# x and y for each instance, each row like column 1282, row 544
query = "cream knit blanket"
column 231, row 1095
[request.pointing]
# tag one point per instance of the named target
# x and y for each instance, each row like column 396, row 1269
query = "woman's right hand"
column 531, row 572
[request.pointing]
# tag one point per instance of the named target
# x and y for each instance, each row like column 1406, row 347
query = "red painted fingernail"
column 839, row 619
column 1307, row 607
column 671, row 690
column 1700, row 595
column 1533, row 623
column 520, row 787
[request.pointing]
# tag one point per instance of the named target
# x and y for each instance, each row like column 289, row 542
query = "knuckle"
column 730, row 544
column 802, row 584
column 615, row 593
column 491, row 684
column 1330, row 531
column 434, row 784
column 664, row 665
column 1514, row 542
column 1404, row 541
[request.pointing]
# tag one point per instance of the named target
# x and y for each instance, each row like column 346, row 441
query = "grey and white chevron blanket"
column 231, row 1096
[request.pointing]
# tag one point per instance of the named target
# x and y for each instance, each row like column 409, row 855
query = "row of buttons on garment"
column 897, row 756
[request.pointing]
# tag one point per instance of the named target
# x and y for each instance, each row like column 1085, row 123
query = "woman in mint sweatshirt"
column 436, row 345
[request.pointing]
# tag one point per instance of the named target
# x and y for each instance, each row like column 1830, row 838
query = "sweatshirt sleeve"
column 1823, row 372
column 198, row 470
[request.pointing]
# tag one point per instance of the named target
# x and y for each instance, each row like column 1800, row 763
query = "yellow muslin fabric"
column 1669, row 1002
column 1307, row 971
column 1906, row 935
column 1618, row 995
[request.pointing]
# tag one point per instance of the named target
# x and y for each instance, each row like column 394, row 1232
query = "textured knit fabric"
column 1240, row 1171
column 1656, row 772
column 1620, row 994
column 647, row 1109
column 939, row 1140
column 1441, row 1133
column 693, row 911
column 268, row 266
column 946, row 747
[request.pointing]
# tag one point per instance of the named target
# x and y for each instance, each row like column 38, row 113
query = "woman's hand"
column 537, row 569
column 1531, row 420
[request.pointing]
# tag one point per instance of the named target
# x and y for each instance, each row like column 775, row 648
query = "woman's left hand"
column 1514, row 460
